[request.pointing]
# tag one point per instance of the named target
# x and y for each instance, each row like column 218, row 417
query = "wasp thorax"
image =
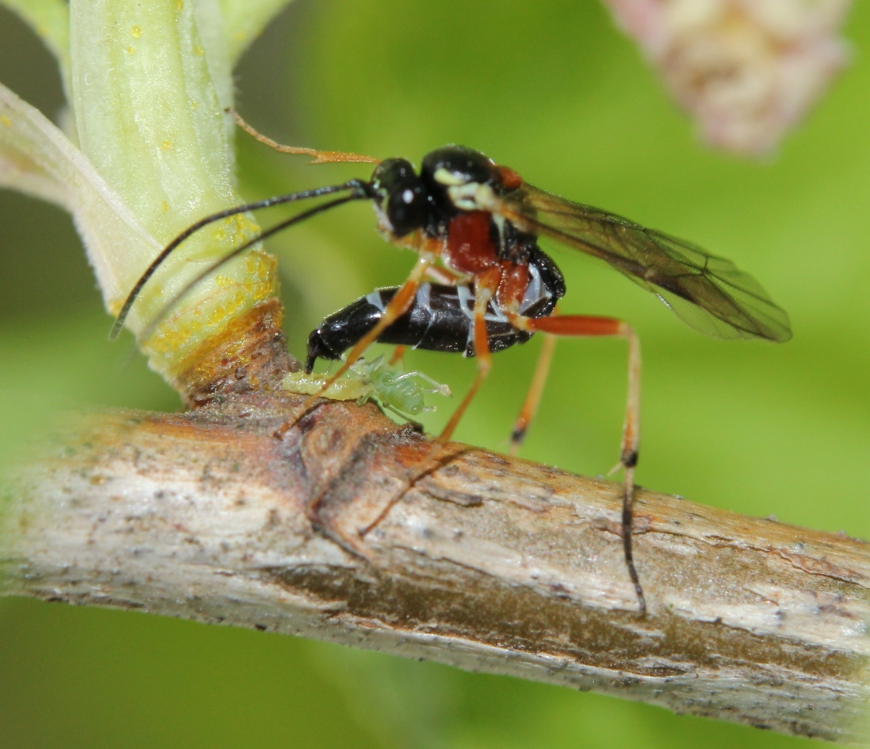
column 453, row 166
column 400, row 196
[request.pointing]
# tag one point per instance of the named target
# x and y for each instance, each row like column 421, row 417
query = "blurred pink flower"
column 746, row 70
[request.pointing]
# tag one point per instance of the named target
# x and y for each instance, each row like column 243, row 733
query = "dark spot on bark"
column 336, row 441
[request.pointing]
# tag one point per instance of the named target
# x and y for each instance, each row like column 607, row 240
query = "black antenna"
column 360, row 190
column 160, row 316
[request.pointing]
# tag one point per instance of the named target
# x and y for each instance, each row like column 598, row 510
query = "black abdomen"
column 440, row 318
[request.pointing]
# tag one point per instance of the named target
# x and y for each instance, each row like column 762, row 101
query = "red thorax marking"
column 469, row 243
column 470, row 250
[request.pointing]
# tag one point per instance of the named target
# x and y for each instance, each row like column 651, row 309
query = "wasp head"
column 400, row 196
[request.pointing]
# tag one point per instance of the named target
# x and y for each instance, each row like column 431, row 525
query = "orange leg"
column 583, row 326
column 485, row 287
column 484, row 290
column 533, row 399
column 398, row 354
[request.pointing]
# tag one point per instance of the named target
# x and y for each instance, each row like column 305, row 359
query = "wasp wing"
column 707, row 292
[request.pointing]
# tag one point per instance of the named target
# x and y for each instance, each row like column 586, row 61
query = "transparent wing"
column 707, row 292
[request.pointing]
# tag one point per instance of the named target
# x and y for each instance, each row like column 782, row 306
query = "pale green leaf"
column 38, row 159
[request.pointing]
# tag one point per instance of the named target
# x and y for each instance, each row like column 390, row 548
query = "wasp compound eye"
column 406, row 209
column 400, row 195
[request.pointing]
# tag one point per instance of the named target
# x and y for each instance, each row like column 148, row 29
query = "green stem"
column 150, row 82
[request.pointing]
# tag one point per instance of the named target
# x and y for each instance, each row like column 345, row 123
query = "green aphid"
column 394, row 390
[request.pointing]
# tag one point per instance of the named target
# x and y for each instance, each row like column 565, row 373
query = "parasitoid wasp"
column 482, row 284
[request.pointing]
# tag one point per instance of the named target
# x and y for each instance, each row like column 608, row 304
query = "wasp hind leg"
column 581, row 326
column 533, row 398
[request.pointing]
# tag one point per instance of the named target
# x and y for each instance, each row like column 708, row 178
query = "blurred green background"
column 553, row 90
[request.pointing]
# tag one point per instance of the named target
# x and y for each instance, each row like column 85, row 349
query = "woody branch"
column 487, row 564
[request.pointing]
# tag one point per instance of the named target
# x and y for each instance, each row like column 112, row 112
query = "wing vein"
column 707, row 292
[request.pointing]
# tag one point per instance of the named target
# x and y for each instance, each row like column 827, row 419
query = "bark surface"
column 488, row 563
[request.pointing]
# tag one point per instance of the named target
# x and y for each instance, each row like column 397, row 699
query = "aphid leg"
column 317, row 157
column 415, row 425
column 434, row 385
column 583, row 326
column 533, row 399
column 485, row 286
column 398, row 305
